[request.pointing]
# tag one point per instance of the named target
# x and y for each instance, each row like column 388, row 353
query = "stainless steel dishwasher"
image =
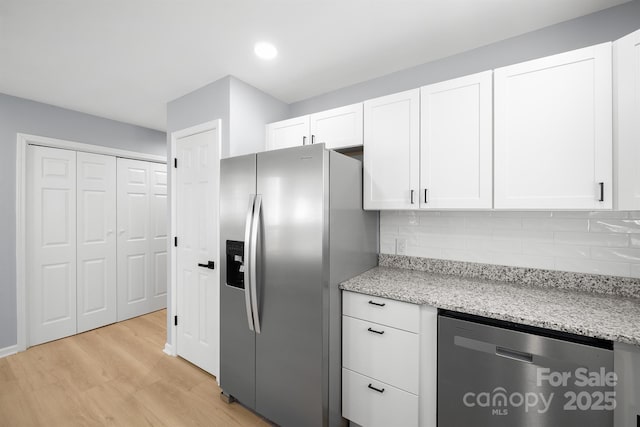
column 494, row 374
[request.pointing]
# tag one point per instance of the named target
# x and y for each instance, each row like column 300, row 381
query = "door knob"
column 210, row 265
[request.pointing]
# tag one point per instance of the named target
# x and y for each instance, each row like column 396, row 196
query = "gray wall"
column 603, row 26
column 244, row 112
column 19, row 115
column 250, row 110
column 208, row 103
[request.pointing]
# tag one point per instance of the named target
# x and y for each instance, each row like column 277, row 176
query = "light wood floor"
column 117, row 376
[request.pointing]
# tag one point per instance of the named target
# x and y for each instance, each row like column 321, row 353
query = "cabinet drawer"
column 397, row 314
column 381, row 352
column 363, row 405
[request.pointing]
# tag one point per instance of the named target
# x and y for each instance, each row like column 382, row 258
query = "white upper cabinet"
column 456, row 138
column 392, row 151
column 288, row 133
column 553, row 132
column 338, row 128
column 627, row 120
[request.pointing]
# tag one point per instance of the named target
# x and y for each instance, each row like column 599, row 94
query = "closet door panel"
column 51, row 243
column 142, row 237
column 158, row 238
column 96, row 240
column 133, row 233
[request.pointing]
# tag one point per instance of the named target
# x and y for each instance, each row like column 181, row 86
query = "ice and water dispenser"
column 235, row 264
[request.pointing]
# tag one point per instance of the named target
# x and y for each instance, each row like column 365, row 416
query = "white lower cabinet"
column 371, row 403
column 389, row 351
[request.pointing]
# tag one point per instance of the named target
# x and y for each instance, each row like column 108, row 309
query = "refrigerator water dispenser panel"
column 235, row 264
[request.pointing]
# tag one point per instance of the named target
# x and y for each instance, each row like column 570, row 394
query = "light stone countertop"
column 610, row 317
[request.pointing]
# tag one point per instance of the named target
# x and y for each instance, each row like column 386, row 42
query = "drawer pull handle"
column 375, row 332
column 379, row 390
column 377, row 303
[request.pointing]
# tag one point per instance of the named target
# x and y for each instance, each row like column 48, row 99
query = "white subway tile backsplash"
column 481, row 245
column 442, row 221
column 603, row 242
column 555, row 250
column 450, row 241
column 388, row 229
column 524, row 235
column 591, row 214
column 555, row 224
column 591, row 239
column 616, row 254
column 614, row 226
column 494, row 223
column 521, row 214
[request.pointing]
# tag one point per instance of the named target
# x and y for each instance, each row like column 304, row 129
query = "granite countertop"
column 599, row 315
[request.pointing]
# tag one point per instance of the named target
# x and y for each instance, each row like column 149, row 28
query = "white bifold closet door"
column 51, row 243
column 142, row 237
column 96, row 240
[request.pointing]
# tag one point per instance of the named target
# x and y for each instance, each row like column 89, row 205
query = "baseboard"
column 8, row 351
column 168, row 349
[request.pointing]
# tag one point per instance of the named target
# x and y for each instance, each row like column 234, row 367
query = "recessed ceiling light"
column 265, row 50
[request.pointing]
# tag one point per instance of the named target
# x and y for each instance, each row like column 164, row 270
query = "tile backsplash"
column 585, row 242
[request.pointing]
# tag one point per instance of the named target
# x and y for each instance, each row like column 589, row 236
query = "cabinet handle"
column 412, row 202
column 426, row 200
column 377, row 303
column 313, row 139
column 375, row 332
column 379, row 390
column 304, row 140
column 601, row 185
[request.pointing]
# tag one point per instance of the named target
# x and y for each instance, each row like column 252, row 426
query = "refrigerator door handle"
column 247, row 262
column 253, row 261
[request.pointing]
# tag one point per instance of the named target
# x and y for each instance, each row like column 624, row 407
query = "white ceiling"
column 125, row 59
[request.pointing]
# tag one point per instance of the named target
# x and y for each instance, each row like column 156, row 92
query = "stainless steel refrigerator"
column 292, row 228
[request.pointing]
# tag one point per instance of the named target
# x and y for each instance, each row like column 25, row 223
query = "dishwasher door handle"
column 514, row 354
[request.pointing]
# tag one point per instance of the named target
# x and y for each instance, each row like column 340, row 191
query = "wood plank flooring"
column 112, row 376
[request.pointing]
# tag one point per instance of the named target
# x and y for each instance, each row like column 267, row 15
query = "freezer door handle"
column 253, row 261
column 247, row 264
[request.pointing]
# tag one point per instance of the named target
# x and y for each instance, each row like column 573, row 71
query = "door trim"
column 172, row 330
column 23, row 140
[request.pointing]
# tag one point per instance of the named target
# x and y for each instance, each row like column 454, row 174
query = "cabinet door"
column 51, row 243
column 553, row 135
column 338, row 128
column 391, row 151
column 627, row 120
column 288, row 133
column 456, row 138
column 96, row 239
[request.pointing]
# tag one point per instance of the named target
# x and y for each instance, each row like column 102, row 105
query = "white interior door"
column 51, row 243
column 158, row 243
column 96, row 240
column 142, row 237
column 198, row 286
